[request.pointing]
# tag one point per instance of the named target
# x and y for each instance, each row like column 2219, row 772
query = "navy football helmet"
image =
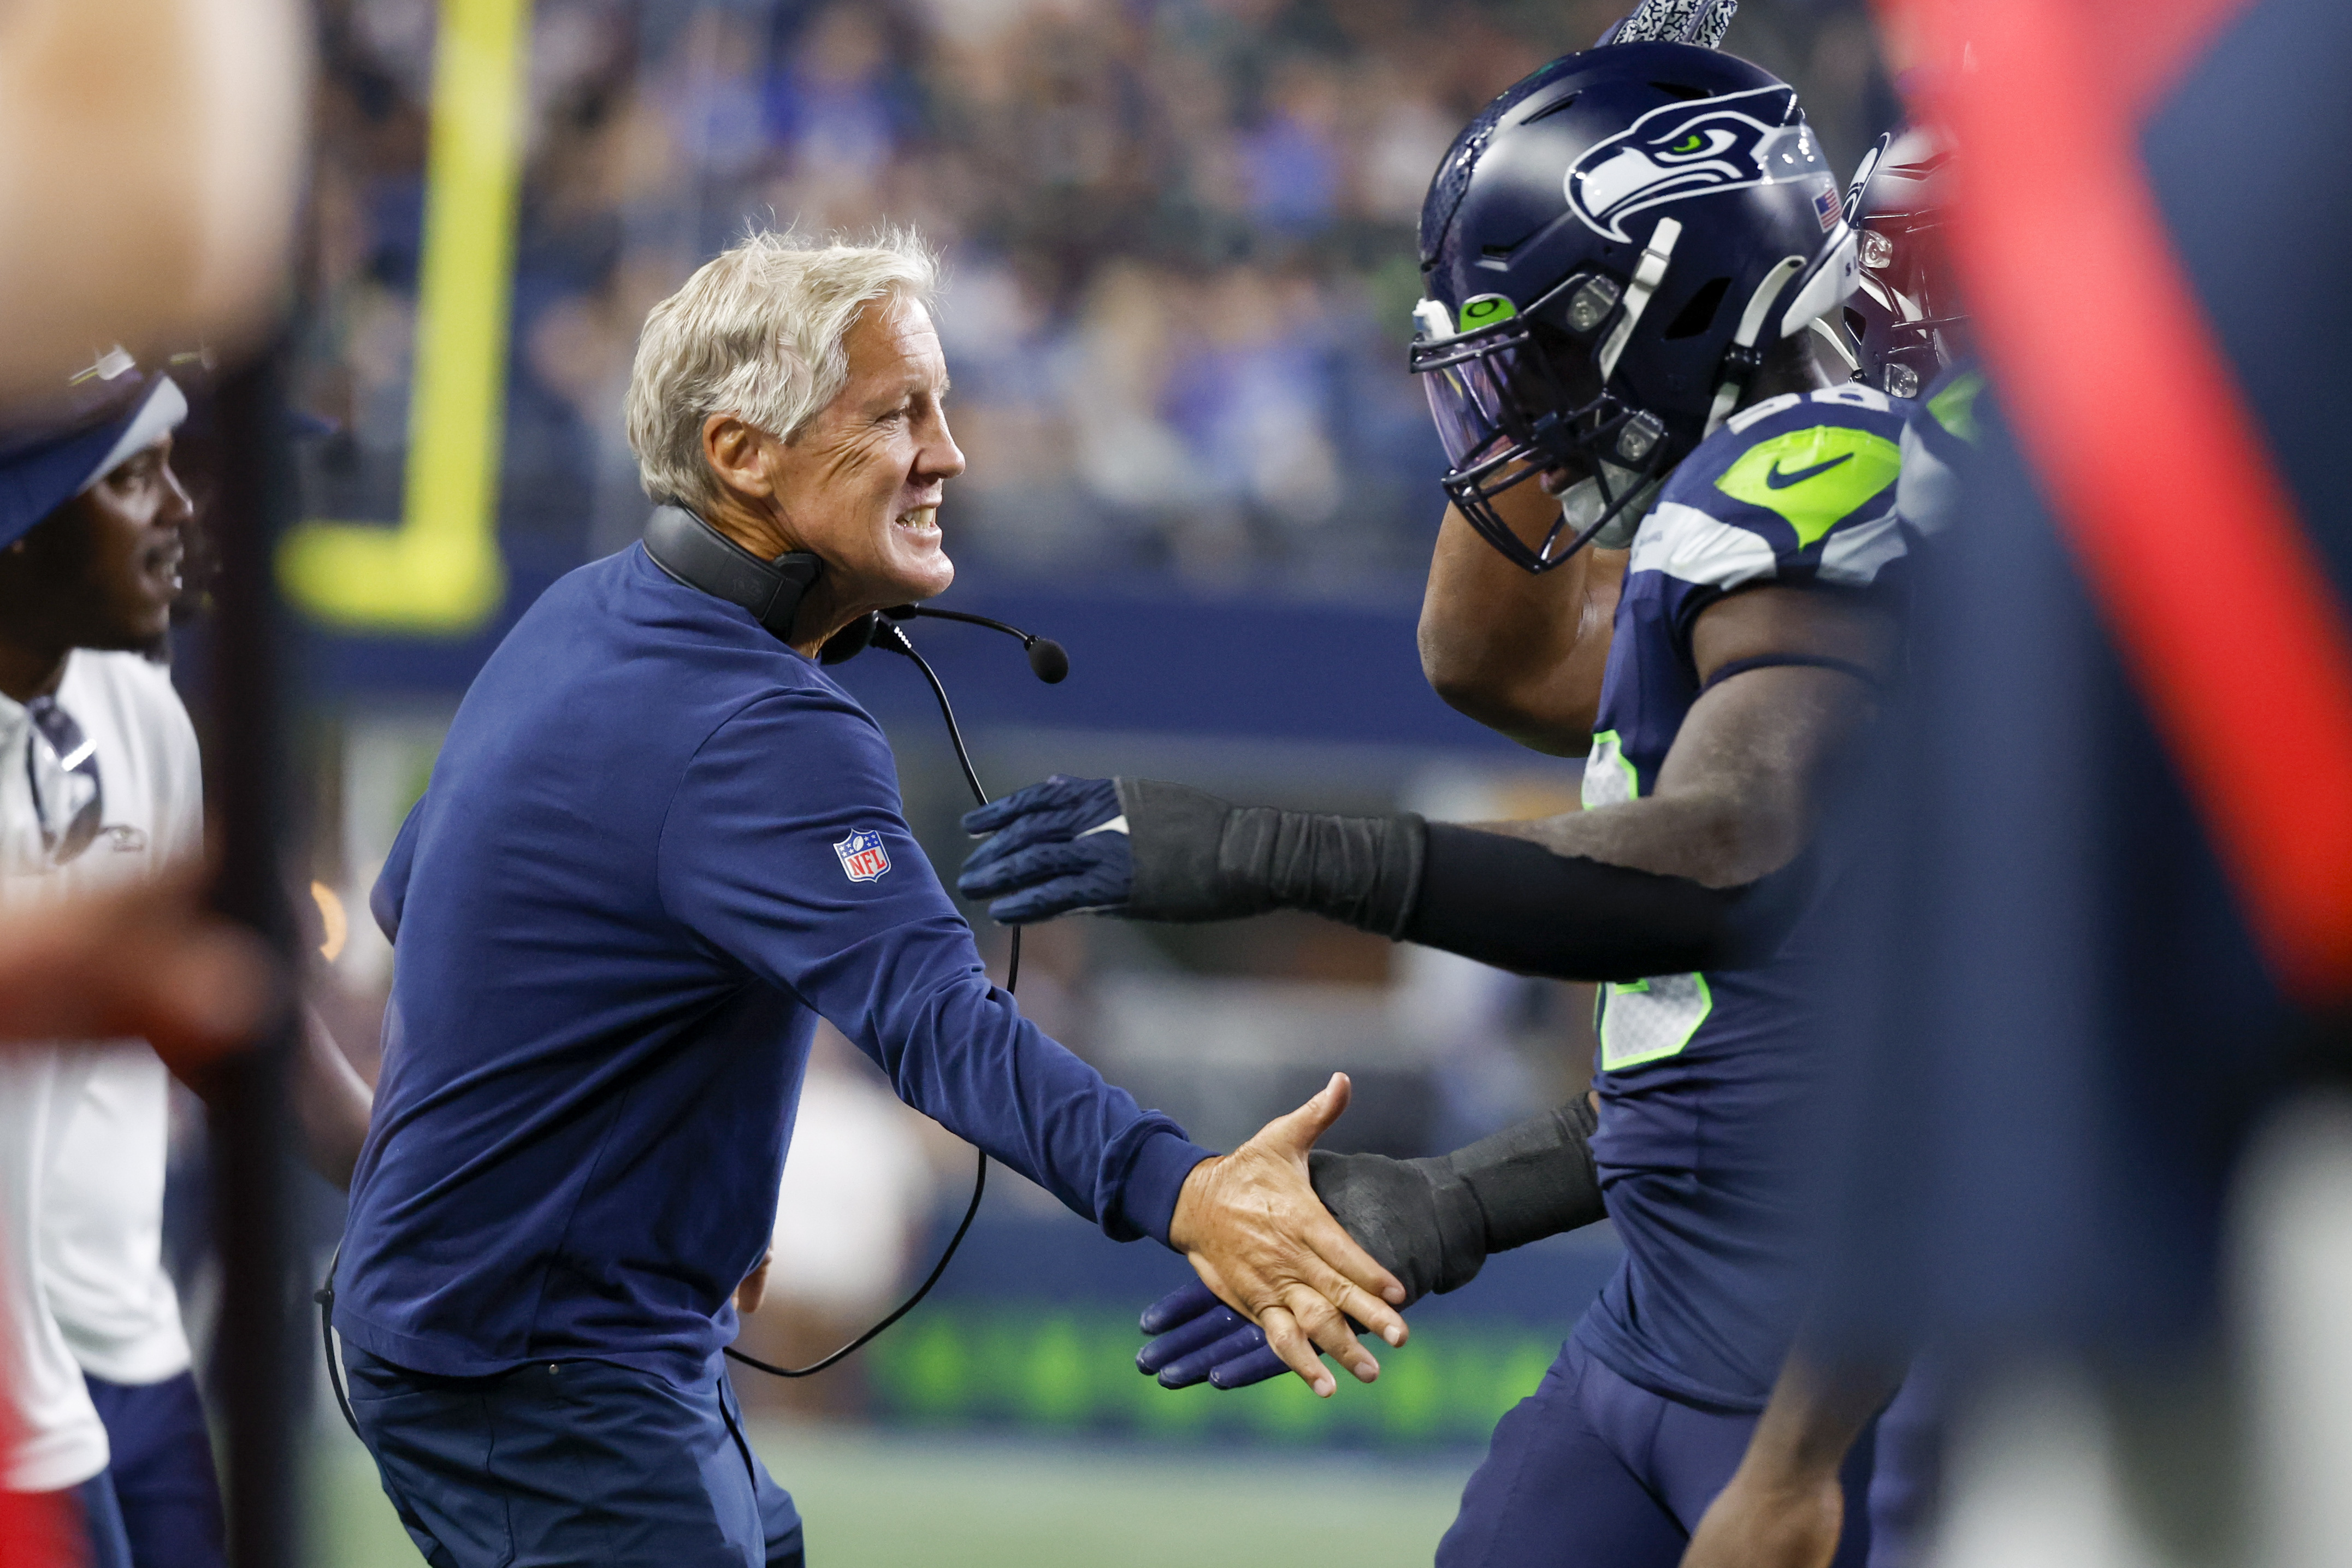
column 1606, row 252
column 1905, row 324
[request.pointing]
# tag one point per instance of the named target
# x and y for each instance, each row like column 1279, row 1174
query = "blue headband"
column 42, row 467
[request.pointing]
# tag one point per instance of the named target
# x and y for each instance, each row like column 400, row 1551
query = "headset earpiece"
column 699, row 556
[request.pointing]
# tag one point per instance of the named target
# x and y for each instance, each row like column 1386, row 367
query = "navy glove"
column 1201, row 1337
column 1052, row 848
column 1151, row 850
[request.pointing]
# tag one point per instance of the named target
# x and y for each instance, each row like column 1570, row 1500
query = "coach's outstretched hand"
column 1253, row 1230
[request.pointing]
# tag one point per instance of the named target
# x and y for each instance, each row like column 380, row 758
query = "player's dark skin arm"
column 1736, row 795
column 1521, row 654
column 1652, row 885
column 1784, row 1507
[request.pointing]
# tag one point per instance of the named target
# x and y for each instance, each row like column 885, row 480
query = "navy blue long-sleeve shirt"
column 658, row 845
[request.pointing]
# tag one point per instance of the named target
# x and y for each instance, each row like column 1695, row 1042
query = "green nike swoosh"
column 1776, row 480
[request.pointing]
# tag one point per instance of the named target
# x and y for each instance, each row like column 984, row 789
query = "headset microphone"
column 1047, row 658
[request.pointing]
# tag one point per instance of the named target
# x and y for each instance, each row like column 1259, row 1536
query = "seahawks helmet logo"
column 1695, row 149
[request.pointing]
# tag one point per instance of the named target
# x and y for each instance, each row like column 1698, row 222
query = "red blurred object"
column 2209, row 601
column 40, row 1529
column 37, row 1528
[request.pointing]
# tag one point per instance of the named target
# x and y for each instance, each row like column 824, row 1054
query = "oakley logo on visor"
column 1695, row 149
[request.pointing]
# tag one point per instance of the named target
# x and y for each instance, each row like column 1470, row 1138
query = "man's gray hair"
column 757, row 333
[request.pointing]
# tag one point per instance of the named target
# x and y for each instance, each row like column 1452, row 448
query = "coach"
column 646, row 865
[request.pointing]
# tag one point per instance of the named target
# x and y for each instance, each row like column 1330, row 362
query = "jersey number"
column 1640, row 1020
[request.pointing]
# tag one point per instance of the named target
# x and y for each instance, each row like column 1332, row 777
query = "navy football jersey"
column 1708, row 1081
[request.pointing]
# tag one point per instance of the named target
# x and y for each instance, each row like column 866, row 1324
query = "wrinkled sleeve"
column 785, row 849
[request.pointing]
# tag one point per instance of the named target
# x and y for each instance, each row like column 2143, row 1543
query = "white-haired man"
column 658, row 844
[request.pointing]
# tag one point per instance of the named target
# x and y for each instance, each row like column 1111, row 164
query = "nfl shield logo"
column 861, row 855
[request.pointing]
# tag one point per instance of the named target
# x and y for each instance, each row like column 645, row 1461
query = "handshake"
column 1395, row 1230
column 1431, row 1223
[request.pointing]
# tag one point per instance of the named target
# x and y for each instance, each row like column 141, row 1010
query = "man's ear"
column 738, row 454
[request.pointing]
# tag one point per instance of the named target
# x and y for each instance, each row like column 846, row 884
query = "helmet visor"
column 1466, row 401
column 1503, row 417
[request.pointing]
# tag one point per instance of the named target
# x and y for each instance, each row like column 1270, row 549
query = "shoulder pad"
column 1799, row 486
column 1813, row 478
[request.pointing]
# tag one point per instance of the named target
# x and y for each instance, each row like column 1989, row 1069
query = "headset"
column 691, row 551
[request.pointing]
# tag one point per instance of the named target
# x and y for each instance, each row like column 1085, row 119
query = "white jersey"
column 83, row 1128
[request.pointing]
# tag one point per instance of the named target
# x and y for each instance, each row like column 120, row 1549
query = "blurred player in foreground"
column 156, row 150
column 2131, row 926
column 1785, row 1507
column 1625, row 256
column 145, row 962
column 658, row 844
column 2125, row 937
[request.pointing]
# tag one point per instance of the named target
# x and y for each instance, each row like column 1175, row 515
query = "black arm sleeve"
column 1535, row 1180
column 1503, row 901
column 1433, row 1222
column 1197, row 857
column 1513, row 903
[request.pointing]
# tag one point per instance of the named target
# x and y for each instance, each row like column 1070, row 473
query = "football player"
column 1623, row 256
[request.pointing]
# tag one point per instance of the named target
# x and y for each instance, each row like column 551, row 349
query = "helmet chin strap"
column 1741, row 358
column 1584, row 502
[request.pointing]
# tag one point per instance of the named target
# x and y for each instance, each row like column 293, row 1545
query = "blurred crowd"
column 1181, row 236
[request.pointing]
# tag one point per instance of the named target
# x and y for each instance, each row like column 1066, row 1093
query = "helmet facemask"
column 1524, row 394
column 1907, row 329
column 1900, row 273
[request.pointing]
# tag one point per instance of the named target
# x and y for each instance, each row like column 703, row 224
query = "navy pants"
column 1592, row 1472
column 558, row 1464
column 163, row 1471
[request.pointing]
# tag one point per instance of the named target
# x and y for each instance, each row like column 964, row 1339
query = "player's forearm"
column 1154, row 850
column 1533, row 1180
column 1433, row 1222
column 1520, row 653
column 1717, row 840
column 1505, row 901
